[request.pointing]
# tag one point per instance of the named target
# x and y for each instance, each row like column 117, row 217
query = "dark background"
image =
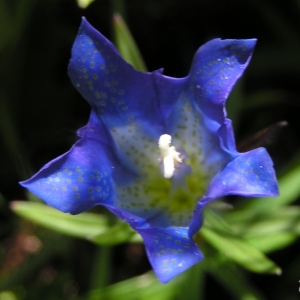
column 40, row 111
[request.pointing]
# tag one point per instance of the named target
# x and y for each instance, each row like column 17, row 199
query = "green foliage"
column 236, row 248
column 81, row 226
column 93, row 227
column 84, row 3
column 145, row 287
column 126, row 44
column 7, row 295
column 232, row 278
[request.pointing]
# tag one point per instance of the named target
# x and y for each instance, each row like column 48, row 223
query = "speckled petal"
column 170, row 251
column 117, row 162
column 199, row 138
column 125, row 99
column 216, row 67
column 77, row 180
column 250, row 174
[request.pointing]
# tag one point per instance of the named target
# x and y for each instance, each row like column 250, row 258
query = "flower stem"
column 101, row 273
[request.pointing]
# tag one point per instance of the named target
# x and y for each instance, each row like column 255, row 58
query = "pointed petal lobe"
column 216, row 67
column 125, row 99
column 77, row 180
column 250, row 174
column 170, row 251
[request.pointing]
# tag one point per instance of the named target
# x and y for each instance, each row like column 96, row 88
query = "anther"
column 169, row 155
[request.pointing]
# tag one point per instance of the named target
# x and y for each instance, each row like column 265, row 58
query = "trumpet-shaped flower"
column 156, row 150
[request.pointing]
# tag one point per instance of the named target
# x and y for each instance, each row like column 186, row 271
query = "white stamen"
column 169, row 155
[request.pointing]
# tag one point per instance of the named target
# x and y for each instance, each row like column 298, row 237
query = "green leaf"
column 267, row 231
column 135, row 238
column 93, row 227
column 272, row 242
column 82, row 226
column 8, row 295
column 144, row 287
column 119, row 233
column 253, row 223
column 126, row 44
column 218, row 235
column 240, row 251
column 84, row 3
column 232, row 278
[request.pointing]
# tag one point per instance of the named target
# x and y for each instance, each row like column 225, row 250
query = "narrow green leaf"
column 82, row 226
column 93, row 227
column 119, row 233
column 267, row 231
column 135, row 238
column 253, row 223
column 239, row 251
column 32, row 197
column 272, row 242
column 126, row 44
column 144, row 287
column 233, row 279
column 218, row 234
column 84, row 3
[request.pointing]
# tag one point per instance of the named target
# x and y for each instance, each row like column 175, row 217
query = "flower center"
column 169, row 183
column 169, row 156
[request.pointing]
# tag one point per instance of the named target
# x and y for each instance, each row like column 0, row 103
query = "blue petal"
column 197, row 220
column 133, row 220
column 250, row 174
column 97, row 67
column 195, row 106
column 126, row 100
column 226, row 135
column 216, row 67
column 199, row 137
column 95, row 129
column 77, row 180
column 170, row 251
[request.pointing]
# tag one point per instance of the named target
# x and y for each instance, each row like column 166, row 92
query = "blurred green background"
column 40, row 112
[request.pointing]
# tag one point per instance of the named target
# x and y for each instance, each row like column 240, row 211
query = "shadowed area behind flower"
column 117, row 163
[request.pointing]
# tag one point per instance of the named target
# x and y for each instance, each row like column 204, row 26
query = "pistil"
column 169, row 156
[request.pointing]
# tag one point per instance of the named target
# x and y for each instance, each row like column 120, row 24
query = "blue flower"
column 156, row 149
